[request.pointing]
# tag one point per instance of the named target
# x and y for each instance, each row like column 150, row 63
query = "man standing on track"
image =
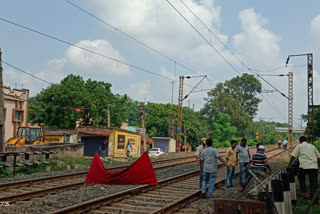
column 210, row 158
column 279, row 143
column 231, row 160
column 285, row 143
column 309, row 157
column 198, row 158
column 243, row 157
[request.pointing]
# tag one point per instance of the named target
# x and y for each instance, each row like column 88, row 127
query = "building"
column 61, row 136
column 93, row 138
column 166, row 143
column 15, row 110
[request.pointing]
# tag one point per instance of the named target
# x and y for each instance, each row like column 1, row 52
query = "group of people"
column 305, row 155
column 284, row 143
column 207, row 159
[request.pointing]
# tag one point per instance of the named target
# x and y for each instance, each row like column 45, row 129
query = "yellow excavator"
column 28, row 135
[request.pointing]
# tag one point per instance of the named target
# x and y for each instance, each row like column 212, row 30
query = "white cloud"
column 141, row 91
column 91, row 64
column 315, row 28
column 258, row 46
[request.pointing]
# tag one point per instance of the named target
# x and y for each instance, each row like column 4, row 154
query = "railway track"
column 170, row 196
column 27, row 189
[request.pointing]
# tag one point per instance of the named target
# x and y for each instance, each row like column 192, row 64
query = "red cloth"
column 140, row 172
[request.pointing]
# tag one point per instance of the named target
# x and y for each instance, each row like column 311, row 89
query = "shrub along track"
column 170, row 196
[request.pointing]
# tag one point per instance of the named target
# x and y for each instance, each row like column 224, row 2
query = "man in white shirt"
column 308, row 156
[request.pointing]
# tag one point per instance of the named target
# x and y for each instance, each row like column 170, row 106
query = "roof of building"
column 95, row 133
column 161, row 138
column 137, row 128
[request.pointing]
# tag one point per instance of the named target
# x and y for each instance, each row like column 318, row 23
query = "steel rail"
column 5, row 186
column 31, row 194
column 106, row 200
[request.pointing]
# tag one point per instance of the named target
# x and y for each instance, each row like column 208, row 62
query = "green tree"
column 245, row 89
column 56, row 105
column 219, row 101
column 223, row 131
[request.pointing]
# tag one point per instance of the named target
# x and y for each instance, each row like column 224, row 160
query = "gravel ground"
column 48, row 204
column 206, row 206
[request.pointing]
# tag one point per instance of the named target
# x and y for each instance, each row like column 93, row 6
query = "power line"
column 133, row 38
column 204, row 38
column 210, row 32
column 277, row 68
column 243, row 64
column 88, row 50
column 19, row 69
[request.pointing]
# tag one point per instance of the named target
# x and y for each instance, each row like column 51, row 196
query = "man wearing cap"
column 198, row 157
column 308, row 156
column 258, row 165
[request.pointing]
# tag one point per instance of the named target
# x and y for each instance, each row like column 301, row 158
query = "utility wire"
column 19, row 69
column 129, row 36
column 274, row 69
column 185, row 97
column 204, row 38
column 88, row 50
column 248, row 68
column 273, row 86
column 133, row 38
column 210, row 32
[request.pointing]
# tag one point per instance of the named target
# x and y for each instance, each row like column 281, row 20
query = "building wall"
column 15, row 101
column 163, row 144
column 172, row 145
column 121, row 140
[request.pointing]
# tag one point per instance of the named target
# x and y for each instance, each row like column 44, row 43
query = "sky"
column 259, row 34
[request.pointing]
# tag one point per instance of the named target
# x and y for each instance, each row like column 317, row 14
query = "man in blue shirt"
column 243, row 157
column 210, row 158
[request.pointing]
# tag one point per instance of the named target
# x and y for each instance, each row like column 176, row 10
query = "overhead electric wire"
column 204, row 38
column 248, row 68
column 226, row 47
column 185, row 97
column 19, row 69
column 133, row 38
column 88, row 50
column 277, row 68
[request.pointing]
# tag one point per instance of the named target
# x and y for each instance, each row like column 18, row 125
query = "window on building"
column 4, row 113
column 121, row 141
column 18, row 115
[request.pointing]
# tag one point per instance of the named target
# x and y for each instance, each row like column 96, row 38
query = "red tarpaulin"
column 140, row 172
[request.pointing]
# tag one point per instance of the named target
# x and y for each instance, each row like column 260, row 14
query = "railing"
column 26, row 159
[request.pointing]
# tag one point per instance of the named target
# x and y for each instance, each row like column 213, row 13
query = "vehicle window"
column 154, row 150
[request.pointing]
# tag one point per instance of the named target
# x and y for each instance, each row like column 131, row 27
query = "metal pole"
column 180, row 99
column 144, row 133
column 290, row 107
column 260, row 134
column 108, row 115
column 2, row 124
column 310, row 97
column 185, row 138
column 172, row 92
